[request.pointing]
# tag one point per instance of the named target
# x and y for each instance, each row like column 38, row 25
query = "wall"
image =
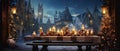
column 0, row 26
column 4, row 22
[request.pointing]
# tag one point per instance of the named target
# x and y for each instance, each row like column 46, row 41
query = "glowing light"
column 40, row 13
column 41, row 30
column 40, row 27
column 13, row 9
column 104, row 11
column 54, row 29
column 91, row 32
column 50, row 29
column 61, row 32
column 83, row 27
column 87, row 33
column 33, row 24
column 91, row 22
column 58, row 31
column 74, row 31
column 34, row 34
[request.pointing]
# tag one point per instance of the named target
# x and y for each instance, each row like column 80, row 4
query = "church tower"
column 40, row 13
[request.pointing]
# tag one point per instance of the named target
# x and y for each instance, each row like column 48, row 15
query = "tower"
column 66, row 15
column 57, row 16
column 40, row 13
column 97, row 15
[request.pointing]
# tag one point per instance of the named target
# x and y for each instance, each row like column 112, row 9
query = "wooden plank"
column 95, row 39
column 62, row 43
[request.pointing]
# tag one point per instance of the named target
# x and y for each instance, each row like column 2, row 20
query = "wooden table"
column 62, row 41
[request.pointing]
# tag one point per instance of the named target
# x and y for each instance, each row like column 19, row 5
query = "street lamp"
column 13, row 9
column 104, row 10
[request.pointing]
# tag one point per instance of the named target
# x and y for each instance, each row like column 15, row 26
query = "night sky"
column 75, row 6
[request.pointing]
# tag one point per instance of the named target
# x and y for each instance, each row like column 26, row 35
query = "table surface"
column 94, row 38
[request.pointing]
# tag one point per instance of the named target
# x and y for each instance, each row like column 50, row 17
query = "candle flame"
column 74, row 31
column 61, row 32
column 40, row 27
column 91, row 32
column 34, row 33
column 41, row 30
column 87, row 33
column 83, row 27
column 53, row 28
column 104, row 11
column 14, row 10
column 50, row 29
column 58, row 30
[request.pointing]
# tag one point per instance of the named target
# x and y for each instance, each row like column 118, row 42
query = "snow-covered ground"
column 22, row 47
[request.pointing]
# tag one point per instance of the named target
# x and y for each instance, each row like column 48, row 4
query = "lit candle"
column 34, row 34
column 61, row 32
column 41, row 31
column 74, row 31
column 104, row 11
column 91, row 32
column 82, row 27
column 50, row 30
column 87, row 33
column 13, row 9
column 40, row 28
column 58, row 31
column 54, row 29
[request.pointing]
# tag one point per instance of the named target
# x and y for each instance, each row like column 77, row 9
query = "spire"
column 55, row 14
column 29, row 4
column 95, row 9
column 96, row 12
column 40, row 13
column 40, row 10
column 40, row 6
column 66, row 15
column 89, row 15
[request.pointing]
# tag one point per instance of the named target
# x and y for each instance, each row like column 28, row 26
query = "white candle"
column 91, row 32
column 82, row 27
column 40, row 29
column 54, row 29
column 61, row 32
column 87, row 33
column 34, row 33
column 58, row 31
column 50, row 29
column 74, row 31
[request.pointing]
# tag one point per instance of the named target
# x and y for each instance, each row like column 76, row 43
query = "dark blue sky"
column 75, row 6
